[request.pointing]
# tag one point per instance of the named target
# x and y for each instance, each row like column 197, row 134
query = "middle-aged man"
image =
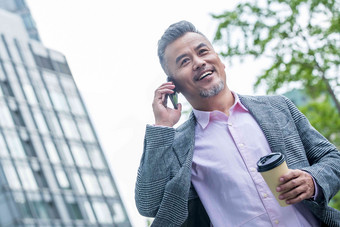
column 203, row 173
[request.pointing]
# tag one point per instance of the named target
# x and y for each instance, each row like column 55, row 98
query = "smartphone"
column 174, row 96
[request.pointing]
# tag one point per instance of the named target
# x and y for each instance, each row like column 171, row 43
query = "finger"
column 297, row 199
column 293, row 192
column 290, row 175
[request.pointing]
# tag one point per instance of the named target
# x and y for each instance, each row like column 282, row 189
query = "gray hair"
column 173, row 32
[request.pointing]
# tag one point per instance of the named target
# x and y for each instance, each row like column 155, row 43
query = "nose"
column 198, row 63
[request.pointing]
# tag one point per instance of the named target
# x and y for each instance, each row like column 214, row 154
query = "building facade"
column 52, row 168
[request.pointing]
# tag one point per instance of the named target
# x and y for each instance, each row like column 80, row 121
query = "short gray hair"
column 173, row 32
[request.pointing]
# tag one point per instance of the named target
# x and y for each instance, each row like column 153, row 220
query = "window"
column 16, row 88
column 14, row 51
column 62, row 179
column 53, row 123
column 65, row 152
column 27, row 116
column 102, row 212
column 29, row 92
column 80, row 155
column 3, row 147
column 11, row 175
column 40, row 121
column 26, row 176
column 73, row 208
column 106, row 185
column 85, row 130
column 14, row 144
column 6, row 119
column 78, row 184
column 3, row 52
column 43, row 62
column 39, row 175
column 89, row 212
column 59, row 101
column 22, row 204
column 38, row 205
column 95, row 157
column 69, row 127
column 76, row 105
column 51, row 150
column 119, row 215
column 91, row 183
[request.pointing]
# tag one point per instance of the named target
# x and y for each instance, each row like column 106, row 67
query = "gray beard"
column 212, row 91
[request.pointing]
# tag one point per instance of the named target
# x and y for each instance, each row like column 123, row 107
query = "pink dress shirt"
column 224, row 173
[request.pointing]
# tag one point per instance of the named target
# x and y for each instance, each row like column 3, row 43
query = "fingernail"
column 281, row 179
column 287, row 202
column 278, row 189
column 280, row 197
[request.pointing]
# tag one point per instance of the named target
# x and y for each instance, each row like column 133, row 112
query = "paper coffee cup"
column 272, row 167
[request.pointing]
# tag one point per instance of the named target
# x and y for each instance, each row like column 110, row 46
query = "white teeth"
column 205, row 74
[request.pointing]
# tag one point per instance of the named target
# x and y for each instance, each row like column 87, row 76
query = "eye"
column 184, row 61
column 202, row 51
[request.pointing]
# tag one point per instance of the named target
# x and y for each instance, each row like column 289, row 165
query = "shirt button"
column 230, row 124
column 276, row 222
column 252, row 169
column 241, row 144
column 265, row 195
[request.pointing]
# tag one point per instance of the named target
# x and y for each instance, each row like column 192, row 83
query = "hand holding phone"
column 174, row 96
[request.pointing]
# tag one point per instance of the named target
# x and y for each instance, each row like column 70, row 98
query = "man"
column 204, row 172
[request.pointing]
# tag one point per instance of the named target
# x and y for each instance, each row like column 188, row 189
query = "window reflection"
column 95, row 157
column 85, row 130
column 27, row 87
column 73, row 208
column 26, row 176
column 22, row 204
column 3, row 147
column 106, row 185
column 51, row 150
column 78, row 184
column 11, row 175
column 69, row 127
column 62, row 179
column 119, row 215
column 6, row 119
column 80, row 155
column 53, row 123
column 65, row 152
column 102, row 211
column 14, row 144
column 91, row 183
column 89, row 212
column 40, row 121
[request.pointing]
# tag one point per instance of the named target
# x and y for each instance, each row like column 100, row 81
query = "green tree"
column 301, row 41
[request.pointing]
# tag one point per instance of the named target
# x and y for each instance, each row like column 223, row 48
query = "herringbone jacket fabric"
column 163, row 187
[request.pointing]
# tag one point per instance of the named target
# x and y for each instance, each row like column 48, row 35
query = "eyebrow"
column 184, row 55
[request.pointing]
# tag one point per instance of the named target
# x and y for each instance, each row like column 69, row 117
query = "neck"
column 221, row 102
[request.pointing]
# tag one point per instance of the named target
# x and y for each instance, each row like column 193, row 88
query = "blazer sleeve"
column 154, row 170
column 324, row 158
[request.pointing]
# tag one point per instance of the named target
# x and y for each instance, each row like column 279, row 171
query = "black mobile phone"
column 174, row 96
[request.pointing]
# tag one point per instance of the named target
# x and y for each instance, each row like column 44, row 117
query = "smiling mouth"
column 204, row 75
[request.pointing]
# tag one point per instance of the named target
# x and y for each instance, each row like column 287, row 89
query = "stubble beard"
column 217, row 88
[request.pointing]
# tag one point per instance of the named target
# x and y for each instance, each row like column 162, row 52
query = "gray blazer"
column 164, row 190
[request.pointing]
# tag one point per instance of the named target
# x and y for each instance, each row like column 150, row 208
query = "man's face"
column 195, row 67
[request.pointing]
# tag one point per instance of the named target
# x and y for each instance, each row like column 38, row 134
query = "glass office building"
column 52, row 169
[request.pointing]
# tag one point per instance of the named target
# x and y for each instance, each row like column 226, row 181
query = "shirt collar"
column 203, row 117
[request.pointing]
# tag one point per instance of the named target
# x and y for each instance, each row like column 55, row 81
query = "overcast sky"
column 111, row 47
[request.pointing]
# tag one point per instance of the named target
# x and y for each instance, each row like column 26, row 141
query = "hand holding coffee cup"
column 272, row 167
column 287, row 185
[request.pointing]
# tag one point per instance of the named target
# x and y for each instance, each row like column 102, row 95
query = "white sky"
column 111, row 47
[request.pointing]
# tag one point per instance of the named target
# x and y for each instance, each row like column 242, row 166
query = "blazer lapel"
column 265, row 116
column 185, row 140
